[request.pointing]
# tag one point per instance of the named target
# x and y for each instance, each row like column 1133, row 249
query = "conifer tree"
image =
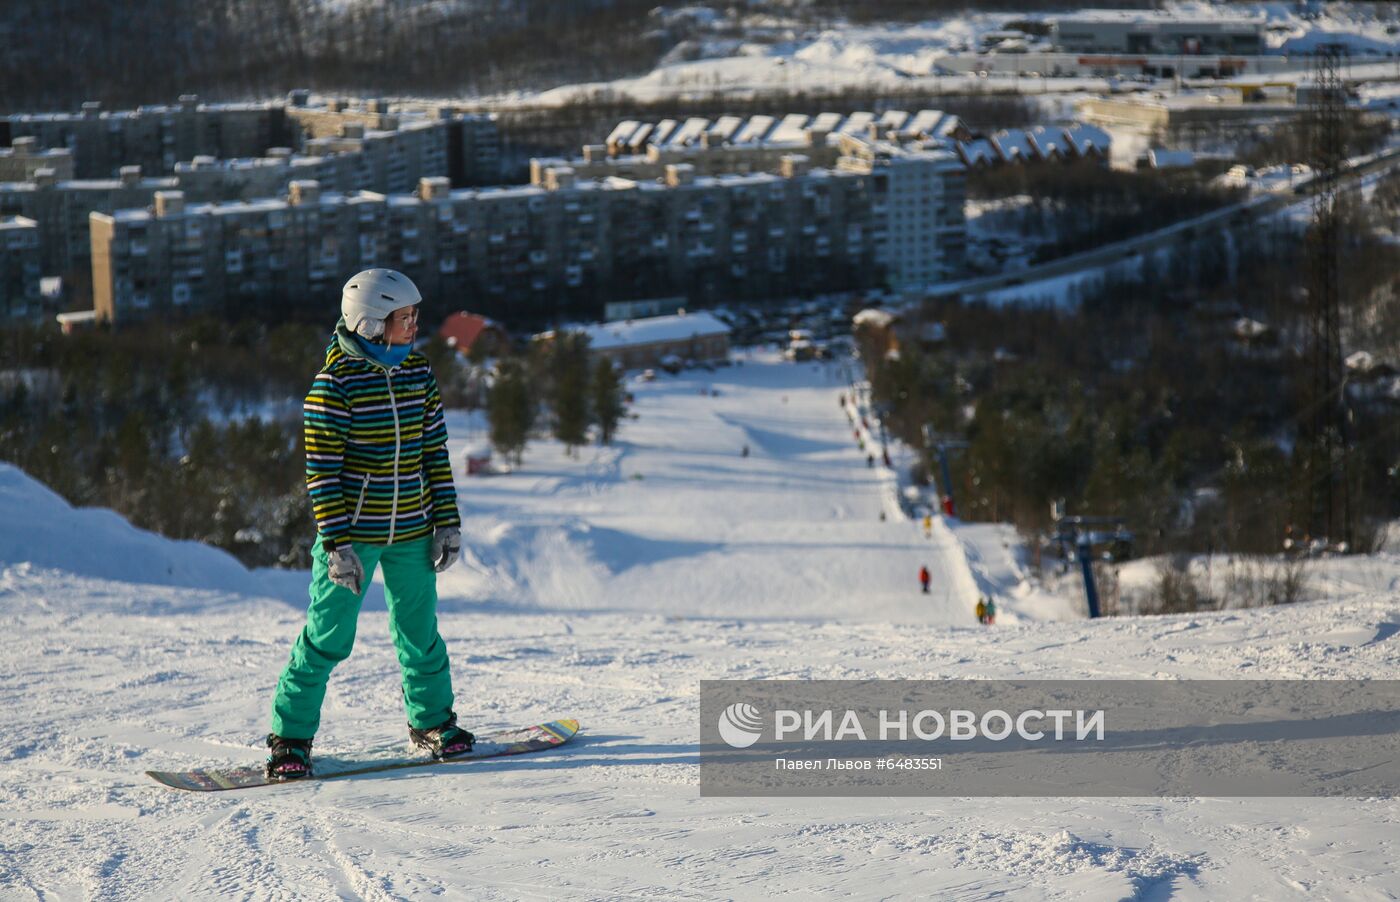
column 568, row 363
column 607, row 399
column 510, row 409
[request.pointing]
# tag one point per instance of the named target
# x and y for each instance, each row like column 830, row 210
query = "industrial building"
column 1156, row 32
column 1193, row 120
column 1029, row 66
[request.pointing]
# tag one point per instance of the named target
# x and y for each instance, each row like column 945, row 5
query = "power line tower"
column 1325, row 500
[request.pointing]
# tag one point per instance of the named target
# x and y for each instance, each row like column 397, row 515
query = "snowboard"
column 493, row 745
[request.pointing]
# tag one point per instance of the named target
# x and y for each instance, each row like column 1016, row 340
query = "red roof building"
column 462, row 330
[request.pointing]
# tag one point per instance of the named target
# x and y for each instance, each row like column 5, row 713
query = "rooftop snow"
column 654, row 329
column 1013, row 144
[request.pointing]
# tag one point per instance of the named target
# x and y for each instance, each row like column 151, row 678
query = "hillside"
column 605, row 588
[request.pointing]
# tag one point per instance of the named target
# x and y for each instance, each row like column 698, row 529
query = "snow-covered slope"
column 770, row 49
column 38, row 529
column 597, row 595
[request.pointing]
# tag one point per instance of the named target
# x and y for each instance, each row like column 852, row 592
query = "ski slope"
column 595, row 594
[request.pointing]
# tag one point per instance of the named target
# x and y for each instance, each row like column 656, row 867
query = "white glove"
column 447, row 545
column 345, row 568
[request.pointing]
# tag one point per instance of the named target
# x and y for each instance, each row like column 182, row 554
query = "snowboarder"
column 381, row 488
column 981, row 611
column 924, row 578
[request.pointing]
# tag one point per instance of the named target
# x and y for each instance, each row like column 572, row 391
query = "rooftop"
column 1160, row 17
column 653, row 329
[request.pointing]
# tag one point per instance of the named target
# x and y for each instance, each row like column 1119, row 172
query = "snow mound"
column 41, row 531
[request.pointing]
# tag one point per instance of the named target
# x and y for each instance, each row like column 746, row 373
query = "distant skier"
column 870, row 460
column 981, row 611
column 991, row 612
column 745, row 452
column 924, row 578
column 928, row 526
column 381, row 488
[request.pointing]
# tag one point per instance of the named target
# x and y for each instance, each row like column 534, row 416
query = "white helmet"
column 370, row 296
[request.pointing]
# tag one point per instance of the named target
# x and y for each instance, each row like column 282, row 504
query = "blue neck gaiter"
column 388, row 356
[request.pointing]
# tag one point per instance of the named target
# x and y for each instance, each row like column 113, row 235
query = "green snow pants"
column 410, row 589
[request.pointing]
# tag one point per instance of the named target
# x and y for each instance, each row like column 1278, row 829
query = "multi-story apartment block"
column 473, row 148
column 19, row 267
column 389, row 160
column 61, row 208
column 917, row 185
column 524, row 252
column 153, row 137
column 471, row 141
column 921, row 230
column 217, row 153
column 735, row 145
column 23, row 158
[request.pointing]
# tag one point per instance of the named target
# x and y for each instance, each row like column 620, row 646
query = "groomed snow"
column 605, row 587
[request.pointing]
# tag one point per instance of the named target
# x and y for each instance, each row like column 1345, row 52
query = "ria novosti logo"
column 740, row 725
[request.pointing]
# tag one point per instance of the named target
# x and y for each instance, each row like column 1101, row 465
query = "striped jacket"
column 377, row 466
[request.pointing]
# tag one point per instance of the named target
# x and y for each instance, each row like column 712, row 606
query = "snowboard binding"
column 288, row 759
column 446, row 740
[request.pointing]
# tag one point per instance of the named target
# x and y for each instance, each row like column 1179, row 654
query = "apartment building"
column 220, row 152
column 525, row 252
column 387, row 160
column 19, row 268
column 60, row 209
column 473, row 148
column 733, row 144
column 153, row 137
column 23, row 158
column 472, row 141
column 920, row 229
